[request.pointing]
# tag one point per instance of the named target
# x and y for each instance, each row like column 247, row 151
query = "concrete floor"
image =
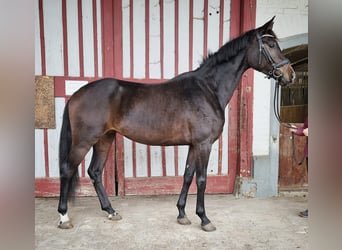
column 149, row 222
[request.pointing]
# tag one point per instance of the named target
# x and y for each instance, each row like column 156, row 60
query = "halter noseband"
column 275, row 66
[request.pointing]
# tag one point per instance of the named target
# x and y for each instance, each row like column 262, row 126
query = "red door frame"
column 241, row 119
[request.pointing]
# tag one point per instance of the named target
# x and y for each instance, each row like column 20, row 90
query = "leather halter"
column 263, row 50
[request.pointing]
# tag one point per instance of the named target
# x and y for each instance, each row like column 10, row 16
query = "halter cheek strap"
column 263, row 50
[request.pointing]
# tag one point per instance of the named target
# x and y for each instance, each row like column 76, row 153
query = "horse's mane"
column 231, row 49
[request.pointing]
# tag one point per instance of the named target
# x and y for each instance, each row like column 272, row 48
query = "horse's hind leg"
column 95, row 171
column 68, row 181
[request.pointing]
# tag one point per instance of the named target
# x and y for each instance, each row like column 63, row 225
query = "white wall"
column 291, row 19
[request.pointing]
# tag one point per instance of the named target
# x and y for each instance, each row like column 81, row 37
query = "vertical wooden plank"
column 107, row 38
column 147, row 37
column 126, row 51
column 225, row 144
column 139, row 39
column 65, row 38
column 141, row 160
column 214, row 27
column 80, row 37
column 233, row 156
column 46, row 153
column 53, row 138
column 99, row 37
column 128, row 158
column 198, row 28
column 117, row 39
column 53, row 34
column 88, row 37
column 156, row 161
column 169, row 39
column 39, row 154
column 94, row 20
column 183, row 36
column 226, row 20
column 72, row 38
column 246, row 97
column 154, row 40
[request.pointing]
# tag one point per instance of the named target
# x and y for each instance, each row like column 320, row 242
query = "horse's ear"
column 267, row 26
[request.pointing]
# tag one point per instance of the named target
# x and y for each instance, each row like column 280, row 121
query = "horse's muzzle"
column 288, row 75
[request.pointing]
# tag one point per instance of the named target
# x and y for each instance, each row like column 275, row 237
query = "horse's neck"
column 226, row 77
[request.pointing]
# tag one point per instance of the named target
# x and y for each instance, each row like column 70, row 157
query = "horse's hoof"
column 184, row 221
column 209, row 227
column 65, row 225
column 114, row 216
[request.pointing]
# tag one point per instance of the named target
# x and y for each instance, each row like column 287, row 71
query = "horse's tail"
column 64, row 152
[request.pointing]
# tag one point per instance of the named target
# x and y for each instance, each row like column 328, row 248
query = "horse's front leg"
column 187, row 179
column 201, row 181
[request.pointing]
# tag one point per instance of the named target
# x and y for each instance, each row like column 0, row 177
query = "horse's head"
column 265, row 56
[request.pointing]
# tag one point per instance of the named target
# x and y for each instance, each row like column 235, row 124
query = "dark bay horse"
column 186, row 110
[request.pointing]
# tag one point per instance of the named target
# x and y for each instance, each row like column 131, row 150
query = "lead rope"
column 287, row 125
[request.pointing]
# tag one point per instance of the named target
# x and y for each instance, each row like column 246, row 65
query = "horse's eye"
column 271, row 44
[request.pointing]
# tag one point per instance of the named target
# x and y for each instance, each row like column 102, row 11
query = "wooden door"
column 291, row 175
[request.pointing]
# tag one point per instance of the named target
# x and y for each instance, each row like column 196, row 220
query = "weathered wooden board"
column 45, row 102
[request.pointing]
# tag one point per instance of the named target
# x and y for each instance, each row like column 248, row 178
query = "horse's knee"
column 201, row 183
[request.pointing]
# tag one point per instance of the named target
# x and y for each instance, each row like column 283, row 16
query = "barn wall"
column 174, row 39
column 67, row 43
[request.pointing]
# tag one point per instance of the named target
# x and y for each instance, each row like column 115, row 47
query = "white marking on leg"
column 64, row 218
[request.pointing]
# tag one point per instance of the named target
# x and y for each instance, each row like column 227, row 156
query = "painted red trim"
column 117, row 39
column 131, row 31
column 173, row 185
column 191, row 33
column 42, row 37
column 134, row 160
column 205, row 29
column 109, row 171
column 233, row 151
column 147, row 38
column 83, row 168
column 175, row 159
column 80, row 37
column 120, row 169
column 176, row 36
column 221, row 30
column 113, row 67
column 148, row 154
column 163, row 160
column 50, row 187
column 96, row 65
column 107, row 38
column 46, row 152
column 243, row 18
column 65, row 39
column 59, row 89
column 161, row 3
column 246, row 101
